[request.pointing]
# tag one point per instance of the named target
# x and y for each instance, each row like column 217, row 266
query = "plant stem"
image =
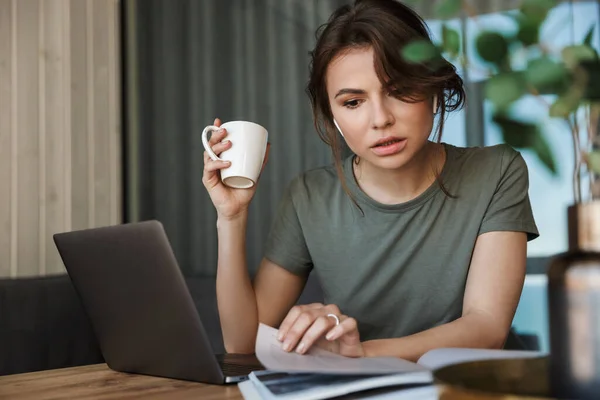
column 589, row 147
column 593, row 118
column 471, row 12
column 594, row 121
column 577, row 156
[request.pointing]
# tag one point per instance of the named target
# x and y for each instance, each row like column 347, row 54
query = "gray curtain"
column 189, row 61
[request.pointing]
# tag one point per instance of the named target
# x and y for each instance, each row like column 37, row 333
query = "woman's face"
column 379, row 128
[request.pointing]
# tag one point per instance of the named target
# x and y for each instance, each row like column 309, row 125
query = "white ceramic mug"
column 246, row 154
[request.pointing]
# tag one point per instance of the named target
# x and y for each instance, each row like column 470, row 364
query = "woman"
column 417, row 244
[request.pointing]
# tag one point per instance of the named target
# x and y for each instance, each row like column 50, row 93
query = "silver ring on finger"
column 335, row 317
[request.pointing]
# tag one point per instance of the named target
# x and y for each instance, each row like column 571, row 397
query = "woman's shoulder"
column 493, row 153
column 315, row 187
column 314, row 181
column 486, row 161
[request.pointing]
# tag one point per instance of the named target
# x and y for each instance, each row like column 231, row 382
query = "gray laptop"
column 139, row 305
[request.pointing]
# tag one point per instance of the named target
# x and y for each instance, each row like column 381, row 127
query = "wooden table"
column 99, row 382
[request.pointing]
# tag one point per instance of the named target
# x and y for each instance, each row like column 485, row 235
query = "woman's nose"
column 382, row 114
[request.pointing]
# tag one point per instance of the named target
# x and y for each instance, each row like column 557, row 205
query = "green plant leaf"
column 543, row 151
column 575, row 54
column 451, row 40
column 537, row 10
column 526, row 135
column 593, row 161
column 589, row 36
column 516, row 133
column 492, row 47
column 420, row 51
column 592, row 88
column 564, row 106
column 504, row 89
column 447, row 8
column 529, row 29
column 544, row 74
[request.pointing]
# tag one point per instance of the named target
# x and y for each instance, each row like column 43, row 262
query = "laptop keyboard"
column 238, row 364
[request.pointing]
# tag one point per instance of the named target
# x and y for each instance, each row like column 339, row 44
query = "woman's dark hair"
column 386, row 26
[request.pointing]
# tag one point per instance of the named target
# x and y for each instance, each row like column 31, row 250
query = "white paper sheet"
column 248, row 391
column 273, row 357
column 439, row 358
column 421, row 393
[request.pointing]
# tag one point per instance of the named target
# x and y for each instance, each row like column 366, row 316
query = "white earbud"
column 435, row 104
column 338, row 127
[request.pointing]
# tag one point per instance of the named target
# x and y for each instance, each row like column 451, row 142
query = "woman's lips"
column 390, row 147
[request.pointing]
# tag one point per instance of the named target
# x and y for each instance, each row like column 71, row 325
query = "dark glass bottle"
column 574, row 308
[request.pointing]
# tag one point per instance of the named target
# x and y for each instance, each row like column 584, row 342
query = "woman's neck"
column 404, row 184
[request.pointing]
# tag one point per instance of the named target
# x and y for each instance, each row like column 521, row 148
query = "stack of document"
column 320, row 374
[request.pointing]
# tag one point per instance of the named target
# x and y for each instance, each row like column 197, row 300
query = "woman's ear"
column 338, row 127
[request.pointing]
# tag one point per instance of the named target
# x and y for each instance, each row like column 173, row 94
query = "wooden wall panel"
column 98, row 116
column 53, row 155
column 60, row 161
column 6, row 121
column 79, row 126
column 27, row 134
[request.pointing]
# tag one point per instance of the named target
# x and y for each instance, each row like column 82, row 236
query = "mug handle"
column 211, row 153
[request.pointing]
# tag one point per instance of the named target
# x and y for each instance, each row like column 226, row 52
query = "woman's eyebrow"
column 349, row 91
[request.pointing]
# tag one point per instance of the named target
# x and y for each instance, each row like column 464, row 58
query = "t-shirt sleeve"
column 286, row 245
column 510, row 208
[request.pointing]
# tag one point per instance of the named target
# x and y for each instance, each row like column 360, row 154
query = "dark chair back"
column 43, row 326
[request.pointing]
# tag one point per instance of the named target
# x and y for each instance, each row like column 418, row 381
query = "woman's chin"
column 389, row 163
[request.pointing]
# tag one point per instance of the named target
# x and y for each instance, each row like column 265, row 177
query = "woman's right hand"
column 229, row 202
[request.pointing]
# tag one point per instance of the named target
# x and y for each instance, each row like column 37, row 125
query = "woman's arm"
column 241, row 304
column 492, row 293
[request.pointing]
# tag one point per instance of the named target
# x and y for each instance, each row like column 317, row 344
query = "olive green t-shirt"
column 400, row 269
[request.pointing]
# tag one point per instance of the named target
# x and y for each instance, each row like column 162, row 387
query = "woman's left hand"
column 308, row 325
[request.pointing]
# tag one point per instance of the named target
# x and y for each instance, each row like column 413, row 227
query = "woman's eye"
column 352, row 103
